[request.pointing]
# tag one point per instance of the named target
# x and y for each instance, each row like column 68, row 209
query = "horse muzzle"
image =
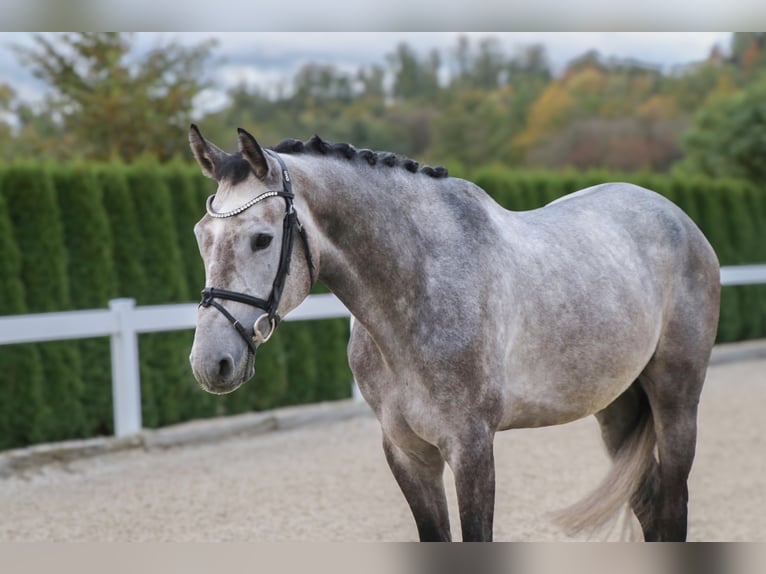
column 220, row 372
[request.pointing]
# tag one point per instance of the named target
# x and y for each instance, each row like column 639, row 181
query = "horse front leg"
column 419, row 473
column 473, row 464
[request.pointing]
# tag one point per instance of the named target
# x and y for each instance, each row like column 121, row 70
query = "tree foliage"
column 113, row 104
column 728, row 137
column 473, row 104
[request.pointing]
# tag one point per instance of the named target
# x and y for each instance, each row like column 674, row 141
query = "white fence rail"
column 123, row 322
column 743, row 274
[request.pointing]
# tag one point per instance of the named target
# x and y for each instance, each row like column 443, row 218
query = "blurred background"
column 98, row 192
column 624, row 101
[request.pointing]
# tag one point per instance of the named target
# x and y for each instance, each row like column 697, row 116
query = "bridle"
column 290, row 225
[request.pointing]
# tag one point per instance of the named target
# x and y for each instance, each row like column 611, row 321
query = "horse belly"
column 572, row 381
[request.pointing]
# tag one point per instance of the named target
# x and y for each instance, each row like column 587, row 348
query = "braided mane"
column 317, row 146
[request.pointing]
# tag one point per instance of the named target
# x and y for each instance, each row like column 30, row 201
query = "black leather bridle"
column 291, row 224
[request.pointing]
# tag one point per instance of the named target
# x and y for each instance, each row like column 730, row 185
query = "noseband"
column 269, row 306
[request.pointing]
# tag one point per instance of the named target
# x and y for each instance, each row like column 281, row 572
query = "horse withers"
column 470, row 318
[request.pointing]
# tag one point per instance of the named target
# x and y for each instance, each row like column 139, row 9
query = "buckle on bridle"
column 258, row 337
column 207, row 298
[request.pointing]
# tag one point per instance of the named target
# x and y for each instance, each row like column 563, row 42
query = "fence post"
column 126, row 383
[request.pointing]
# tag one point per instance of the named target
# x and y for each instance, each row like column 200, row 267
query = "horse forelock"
column 233, row 169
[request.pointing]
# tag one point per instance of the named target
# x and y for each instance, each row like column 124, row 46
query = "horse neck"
column 394, row 246
column 371, row 226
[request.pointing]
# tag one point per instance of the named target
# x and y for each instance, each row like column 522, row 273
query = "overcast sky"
column 265, row 58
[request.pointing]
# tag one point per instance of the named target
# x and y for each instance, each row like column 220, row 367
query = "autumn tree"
column 28, row 132
column 613, row 113
column 114, row 102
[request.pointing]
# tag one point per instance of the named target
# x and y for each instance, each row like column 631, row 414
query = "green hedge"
column 30, row 201
column 90, row 272
column 74, row 237
column 22, row 409
column 166, row 378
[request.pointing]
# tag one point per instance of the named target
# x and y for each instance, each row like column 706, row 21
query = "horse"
column 470, row 319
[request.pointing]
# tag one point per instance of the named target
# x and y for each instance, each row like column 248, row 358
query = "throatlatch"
column 290, row 225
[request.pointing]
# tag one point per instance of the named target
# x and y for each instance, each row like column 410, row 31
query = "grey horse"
column 471, row 319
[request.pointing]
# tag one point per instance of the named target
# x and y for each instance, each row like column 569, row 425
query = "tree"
column 747, row 49
column 528, row 72
column 414, row 78
column 115, row 103
column 27, row 132
column 6, row 98
column 489, row 64
column 323, row 82
column 474, row 129
column 728, row 137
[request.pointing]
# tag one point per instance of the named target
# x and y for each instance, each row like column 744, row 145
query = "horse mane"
column 317, row 146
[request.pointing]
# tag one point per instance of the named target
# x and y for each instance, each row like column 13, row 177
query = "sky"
column 268, row 58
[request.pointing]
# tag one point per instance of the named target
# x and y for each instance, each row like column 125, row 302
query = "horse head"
column 246, row 242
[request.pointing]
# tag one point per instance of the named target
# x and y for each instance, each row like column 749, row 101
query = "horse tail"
column 623, row 482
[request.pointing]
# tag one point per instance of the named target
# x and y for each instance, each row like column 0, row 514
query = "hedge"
column 31, row 204
column 166, row 377
column 75, row 237
column 22, row 410
column 90, row 271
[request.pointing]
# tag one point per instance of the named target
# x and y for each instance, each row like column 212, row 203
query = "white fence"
column 123, row 321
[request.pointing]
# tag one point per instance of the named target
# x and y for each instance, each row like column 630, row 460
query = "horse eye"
column 260, row 241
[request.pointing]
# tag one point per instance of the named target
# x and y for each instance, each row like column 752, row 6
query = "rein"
column 290, row 225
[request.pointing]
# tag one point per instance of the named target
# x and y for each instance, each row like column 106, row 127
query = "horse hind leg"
column 622, row 423
column 673, row 387
column 672, row 381
column 627, row 430
column 660, row 409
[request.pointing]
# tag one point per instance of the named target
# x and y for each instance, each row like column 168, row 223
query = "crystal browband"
column 212, row 213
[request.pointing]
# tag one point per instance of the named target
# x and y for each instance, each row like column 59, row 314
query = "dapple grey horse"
column 471, row 319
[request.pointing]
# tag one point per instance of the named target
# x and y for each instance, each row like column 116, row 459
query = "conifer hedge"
column 166, row 377
column 22, row 409
column 90, row 270
column 31, row 205
column 75, row 237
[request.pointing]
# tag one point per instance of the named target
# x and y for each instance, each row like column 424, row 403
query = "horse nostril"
column 225, row 368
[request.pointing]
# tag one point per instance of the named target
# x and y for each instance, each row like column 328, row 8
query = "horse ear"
column 208, row 156
column 253, row 153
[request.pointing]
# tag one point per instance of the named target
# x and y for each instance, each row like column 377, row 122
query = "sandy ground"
column 331, row 482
